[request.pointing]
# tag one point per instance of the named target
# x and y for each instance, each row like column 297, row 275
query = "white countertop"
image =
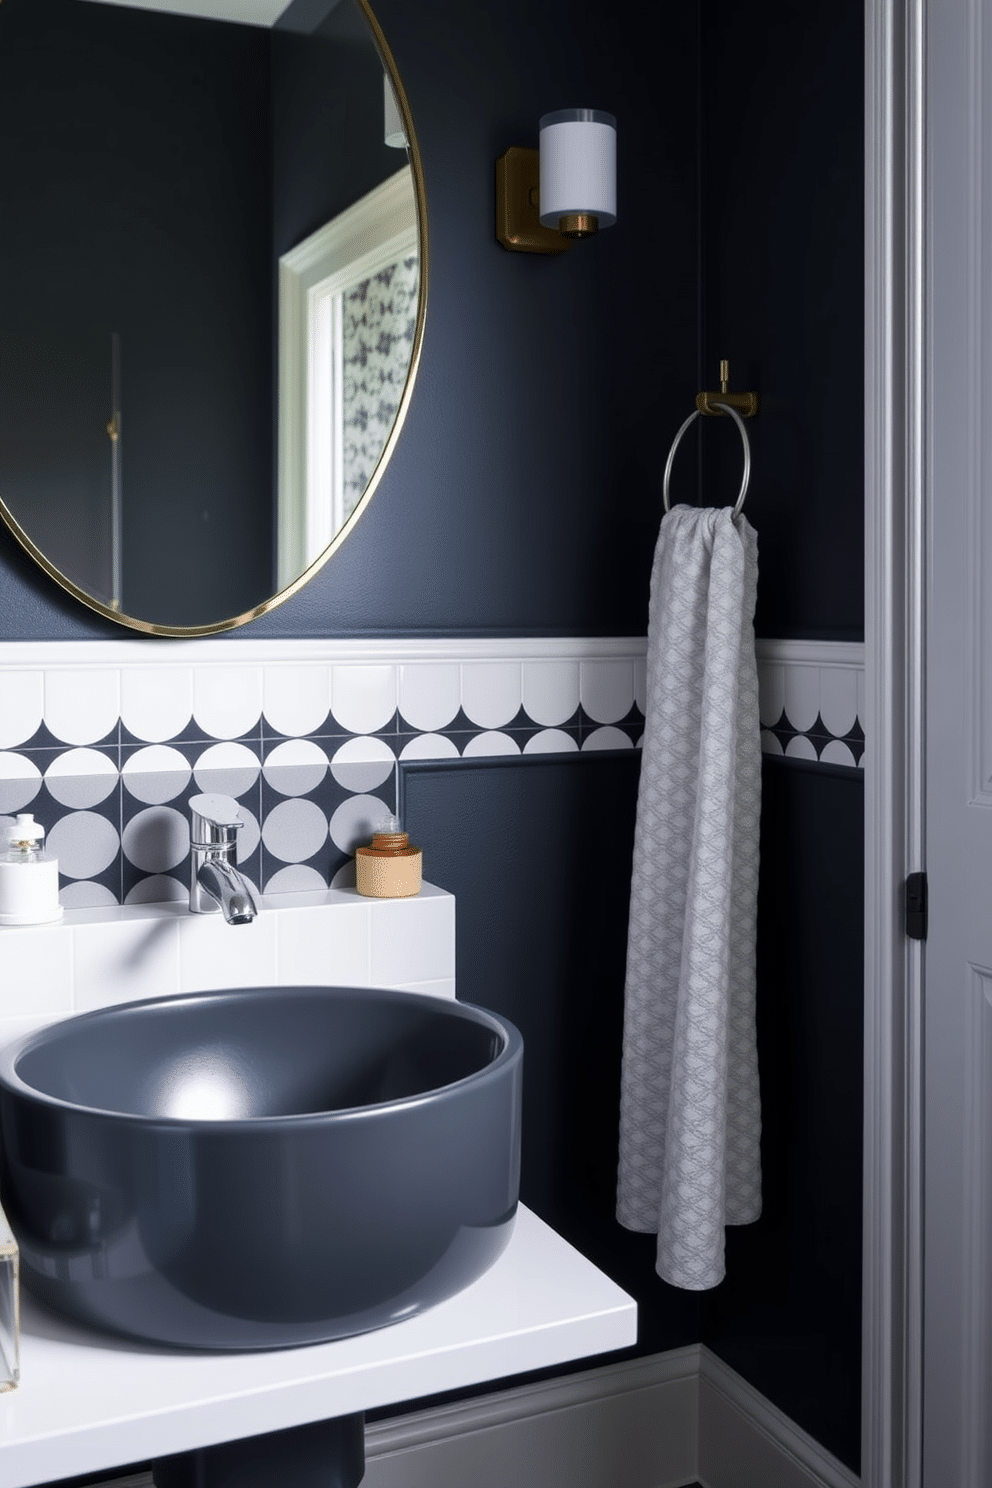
column 89, row 1402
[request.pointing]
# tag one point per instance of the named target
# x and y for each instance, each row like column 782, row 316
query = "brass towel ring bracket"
column 746, row 404
column 737, row 406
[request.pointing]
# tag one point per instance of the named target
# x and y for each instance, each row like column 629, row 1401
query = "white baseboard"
column 662, row 1422
column 623, row 1426
column 738, row 1425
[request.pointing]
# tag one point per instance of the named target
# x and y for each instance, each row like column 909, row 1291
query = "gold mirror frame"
column 192, row 631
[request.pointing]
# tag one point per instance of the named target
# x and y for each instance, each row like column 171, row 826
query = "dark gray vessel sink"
column 260, row 1168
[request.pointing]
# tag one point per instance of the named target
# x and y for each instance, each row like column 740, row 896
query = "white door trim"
column 894, row 844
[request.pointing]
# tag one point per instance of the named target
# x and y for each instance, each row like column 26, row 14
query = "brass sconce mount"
column 518, row 223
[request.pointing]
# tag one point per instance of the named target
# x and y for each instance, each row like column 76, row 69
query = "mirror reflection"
column 212, row 258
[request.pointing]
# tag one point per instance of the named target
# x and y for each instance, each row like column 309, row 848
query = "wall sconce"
column 565, row 190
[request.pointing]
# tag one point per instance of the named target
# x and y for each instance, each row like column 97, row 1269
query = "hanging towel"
column 690, row 1118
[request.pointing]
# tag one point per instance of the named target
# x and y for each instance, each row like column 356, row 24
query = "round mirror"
column 214, row 267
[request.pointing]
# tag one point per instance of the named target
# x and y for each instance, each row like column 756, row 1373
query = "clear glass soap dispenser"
column 29, row 877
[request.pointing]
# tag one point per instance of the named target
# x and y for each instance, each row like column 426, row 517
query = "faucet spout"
column 214, row 879
column 220, row 881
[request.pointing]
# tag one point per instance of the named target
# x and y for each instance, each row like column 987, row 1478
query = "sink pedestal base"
column 323, row 1454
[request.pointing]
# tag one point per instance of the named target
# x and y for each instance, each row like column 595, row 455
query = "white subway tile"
column 121, row 959
column 317, row 945
column 35, row 970
column 12, row 1029
column 413, row 940
column 443, row 987
column 214, row 955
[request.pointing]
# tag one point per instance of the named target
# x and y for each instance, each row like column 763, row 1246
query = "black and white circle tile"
column 108, row 763
column 108, row 760
column 813, row 712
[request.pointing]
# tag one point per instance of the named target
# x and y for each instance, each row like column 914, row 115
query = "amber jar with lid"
column 389, row 868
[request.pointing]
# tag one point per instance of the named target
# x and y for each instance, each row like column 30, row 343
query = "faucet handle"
column 215, row 820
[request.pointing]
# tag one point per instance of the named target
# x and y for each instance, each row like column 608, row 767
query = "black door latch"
column 916, row 906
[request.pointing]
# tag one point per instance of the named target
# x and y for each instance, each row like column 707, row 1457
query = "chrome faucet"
column 214, row 880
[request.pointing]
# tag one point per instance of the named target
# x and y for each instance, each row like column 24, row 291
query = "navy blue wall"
column 781, row 296
column 788, row 1314
column 782, row 183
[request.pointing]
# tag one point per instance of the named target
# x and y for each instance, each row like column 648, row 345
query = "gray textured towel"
column 690, row 1118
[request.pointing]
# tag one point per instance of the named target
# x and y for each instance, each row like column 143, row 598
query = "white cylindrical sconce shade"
column 578, row 169
column 393, row 132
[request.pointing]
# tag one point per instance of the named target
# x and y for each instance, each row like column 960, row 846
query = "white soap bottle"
column 29, row 878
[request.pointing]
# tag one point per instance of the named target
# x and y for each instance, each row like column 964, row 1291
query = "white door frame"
column 895, row 455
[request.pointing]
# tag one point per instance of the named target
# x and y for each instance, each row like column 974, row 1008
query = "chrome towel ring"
column 746, row 477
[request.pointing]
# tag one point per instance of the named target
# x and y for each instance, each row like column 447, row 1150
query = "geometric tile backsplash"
column 812, row 700
column 106, row 742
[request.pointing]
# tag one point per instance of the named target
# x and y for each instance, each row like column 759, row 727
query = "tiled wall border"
column 813, row 688
column 812, row 692
column 106, row 741
column 812, row 700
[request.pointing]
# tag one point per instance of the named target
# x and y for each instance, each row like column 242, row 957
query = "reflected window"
column 347, row 322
